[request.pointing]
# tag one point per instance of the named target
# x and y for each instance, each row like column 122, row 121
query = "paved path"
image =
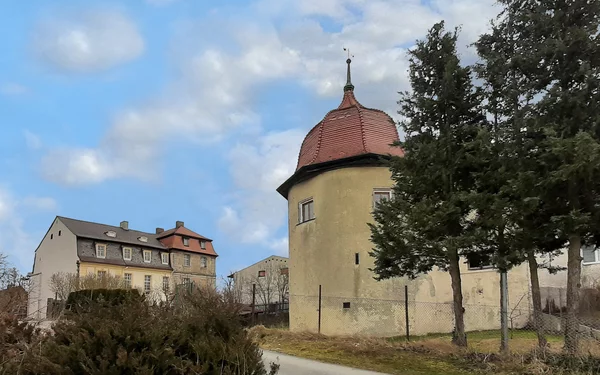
column 301, row 366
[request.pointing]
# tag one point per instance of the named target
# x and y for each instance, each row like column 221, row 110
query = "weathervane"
column 348, row 50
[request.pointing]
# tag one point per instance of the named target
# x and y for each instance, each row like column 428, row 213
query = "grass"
column 431, row 354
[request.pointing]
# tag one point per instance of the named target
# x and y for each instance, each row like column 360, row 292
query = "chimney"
column 159, row 230
column 125, row 225
column 178, row 224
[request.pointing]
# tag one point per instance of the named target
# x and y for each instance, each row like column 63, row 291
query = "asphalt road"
column 301, row 366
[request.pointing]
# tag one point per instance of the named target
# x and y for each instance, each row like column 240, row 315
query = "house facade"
column 271, row 280
column 142, row 260
column 340, row 177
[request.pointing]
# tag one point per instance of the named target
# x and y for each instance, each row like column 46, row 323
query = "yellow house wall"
column 137, row 274
column 322, row 252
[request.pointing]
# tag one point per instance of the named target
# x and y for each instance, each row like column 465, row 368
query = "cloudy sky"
column 154, row 111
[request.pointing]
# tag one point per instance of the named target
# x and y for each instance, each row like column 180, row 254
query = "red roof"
column 349, row 130
column 173, row 239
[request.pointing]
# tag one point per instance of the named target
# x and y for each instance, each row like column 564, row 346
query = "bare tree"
column 63, row 283
column 272, row 285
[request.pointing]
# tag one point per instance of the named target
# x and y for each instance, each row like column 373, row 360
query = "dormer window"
column 147, row 256
column 127, row 253
column 100, row 251
column 186, row 241
column 143, row 239
column 203, row 244
column 111, row 233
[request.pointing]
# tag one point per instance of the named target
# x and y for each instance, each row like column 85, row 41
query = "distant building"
column 270, row 277
column 151, row 262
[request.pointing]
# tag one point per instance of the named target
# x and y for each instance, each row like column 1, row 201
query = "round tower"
column 341, row 174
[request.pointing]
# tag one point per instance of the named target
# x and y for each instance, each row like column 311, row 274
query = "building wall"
column 267, row 286
column 322, row 252
column 137, row 275
column 202, row 276
column 56, row 253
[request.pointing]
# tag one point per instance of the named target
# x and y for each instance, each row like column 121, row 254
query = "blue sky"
column 154, row 111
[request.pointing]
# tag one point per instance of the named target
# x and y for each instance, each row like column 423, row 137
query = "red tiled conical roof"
column 349, row 130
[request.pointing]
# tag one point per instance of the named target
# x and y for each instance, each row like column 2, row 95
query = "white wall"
column 56, row 253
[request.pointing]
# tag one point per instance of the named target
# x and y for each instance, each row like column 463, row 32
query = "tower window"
column 346, row 305
column 380, row 195
column 356, row 258
column 306, row 211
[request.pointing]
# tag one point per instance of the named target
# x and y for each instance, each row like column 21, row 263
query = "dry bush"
column 202, row 335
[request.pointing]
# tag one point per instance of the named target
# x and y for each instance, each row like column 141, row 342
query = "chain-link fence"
column 413, row 320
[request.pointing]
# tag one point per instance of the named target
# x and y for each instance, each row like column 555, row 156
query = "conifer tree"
column 424, row 225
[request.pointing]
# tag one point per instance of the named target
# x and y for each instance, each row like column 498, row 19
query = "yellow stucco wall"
column 137, row 275
column 322, row 252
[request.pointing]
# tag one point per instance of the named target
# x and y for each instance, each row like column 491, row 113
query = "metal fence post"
column 253, row 301
column 406, row 312
column 319, row 323
column 504, row 311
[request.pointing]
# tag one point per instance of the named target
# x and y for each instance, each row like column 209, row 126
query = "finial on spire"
column 349, row 86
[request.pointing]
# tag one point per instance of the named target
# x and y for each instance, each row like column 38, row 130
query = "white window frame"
column 150, row 256
column 147, row 283
column 130, row 253
column 187, row 260
column 186, row 281
column 186, row 241
column 301, row 204
column 203, row 262
column 128, row 280
column 203, row 245
column 165, row 284
column 98, row 246
column 596, row 253
column 379, row 191
column 164, row 256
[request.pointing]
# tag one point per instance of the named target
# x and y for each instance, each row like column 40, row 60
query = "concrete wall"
column 56, row 253
column 322, row 252
column 201, row 276
column 267, row 289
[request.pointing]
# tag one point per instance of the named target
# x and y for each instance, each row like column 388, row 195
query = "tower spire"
column 349, row 86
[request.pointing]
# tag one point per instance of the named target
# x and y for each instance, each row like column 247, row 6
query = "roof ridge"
column 106, row 225
column 362, row 128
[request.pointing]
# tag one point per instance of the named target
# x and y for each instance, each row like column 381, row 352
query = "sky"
column 154, row 111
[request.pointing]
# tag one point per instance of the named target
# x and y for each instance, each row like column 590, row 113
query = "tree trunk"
column 459, row 338
column 573, row 285
column 537, row 300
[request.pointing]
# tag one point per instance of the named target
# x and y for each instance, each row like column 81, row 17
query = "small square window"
column 127, row 253
column 186, row 241
column 262, row 273
column 306, row 211
column 284, row 271
column 147, row 256
column 590, row 254
column 381, row 195
column 187, row 260
column 100, row 251
column 478, row 261
column 164, row 258
column 203, row 262
column 203, row 244
column 346, row 305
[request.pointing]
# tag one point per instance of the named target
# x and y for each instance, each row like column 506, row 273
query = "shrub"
column 82, row 301
column 201, row 336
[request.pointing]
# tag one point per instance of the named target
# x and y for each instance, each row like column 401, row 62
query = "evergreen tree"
column 424, row 225
column 563, row 65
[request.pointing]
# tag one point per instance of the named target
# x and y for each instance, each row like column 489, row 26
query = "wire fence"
column 412, row 320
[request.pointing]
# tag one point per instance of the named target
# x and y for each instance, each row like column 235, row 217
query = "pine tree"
column 424, row 225
column 564, row 63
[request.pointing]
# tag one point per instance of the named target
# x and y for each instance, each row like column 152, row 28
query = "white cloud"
column 258, row 168
column 32, row 140
column 13, row 89
column 88, row 41
column 281, row 246
column 214, row 92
